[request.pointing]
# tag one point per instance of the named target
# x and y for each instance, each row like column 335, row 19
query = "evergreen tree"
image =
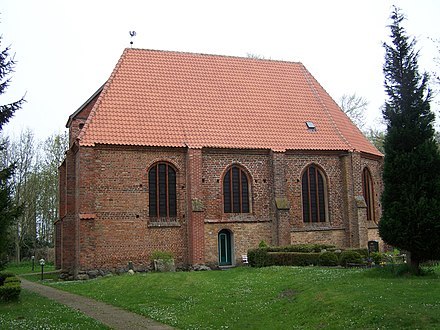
column 411, row 197
column 8, row 210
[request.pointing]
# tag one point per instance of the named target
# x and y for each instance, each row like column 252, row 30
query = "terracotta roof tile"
column 157, row 98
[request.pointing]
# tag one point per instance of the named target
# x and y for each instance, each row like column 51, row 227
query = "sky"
column 65, row 50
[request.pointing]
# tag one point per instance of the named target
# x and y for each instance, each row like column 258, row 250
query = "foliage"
column 294, row 258
column 162, row 255
column 350, row 257
column 33, row 311
column 262, row 244
column 25, row 267
column 273, row 298
column 258, row 257
column 328, row 258
column 362, row 251
column 10, row 287
column 265, row 257
column 35, row 186
column 377, row 138
column 354, row 107
column 11, row 279
column 377, row 257
column 411, row 196
column 10, row 291
column 301, row 248
column 9, row 210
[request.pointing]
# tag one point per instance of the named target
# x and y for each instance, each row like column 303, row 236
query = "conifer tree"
column 8, row 210
column 411, row 197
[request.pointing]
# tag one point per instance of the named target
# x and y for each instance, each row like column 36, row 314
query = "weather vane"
column 132, row 34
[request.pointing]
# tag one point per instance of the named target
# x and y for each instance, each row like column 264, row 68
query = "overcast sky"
column 65, row 50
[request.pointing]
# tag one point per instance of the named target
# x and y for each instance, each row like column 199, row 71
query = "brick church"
column 205, row 156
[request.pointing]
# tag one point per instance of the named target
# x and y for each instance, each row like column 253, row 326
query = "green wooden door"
column 224, row 248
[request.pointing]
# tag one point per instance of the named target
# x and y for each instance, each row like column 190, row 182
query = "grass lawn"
column 32, row 311
column 25, row 267
column 274, row 298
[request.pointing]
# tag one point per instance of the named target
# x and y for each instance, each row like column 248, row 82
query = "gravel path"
column 114, row 317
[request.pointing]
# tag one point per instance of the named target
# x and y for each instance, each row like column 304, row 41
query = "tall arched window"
column 162, row 191
column 313, row 195
column 368, row 192
column 235, row 191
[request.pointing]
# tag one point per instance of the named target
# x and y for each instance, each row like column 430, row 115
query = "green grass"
column 32, row 311
column 25, row 267
column 274, row 298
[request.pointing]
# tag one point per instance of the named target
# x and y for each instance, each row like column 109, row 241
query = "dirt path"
column 114, row 317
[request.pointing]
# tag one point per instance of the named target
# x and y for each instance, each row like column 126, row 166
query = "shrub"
column 263, row 258
column 328, row 259
column 304, row 248
column 258, row 257
column 10, row 291
column 293, row 258
column 162, row 255
column 362, row 252
column 262, row 244
column 376, row 257
column 11, row 279
column 350, row 257
column 9, row 286
column 3, row 277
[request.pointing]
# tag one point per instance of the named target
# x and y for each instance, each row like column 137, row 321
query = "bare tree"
column 354, row 106
column 24, row 187
column 52, row 154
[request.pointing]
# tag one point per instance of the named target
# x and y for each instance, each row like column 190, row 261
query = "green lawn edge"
column 273, row 298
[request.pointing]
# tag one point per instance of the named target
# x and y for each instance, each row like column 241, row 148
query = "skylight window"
column 310, row 125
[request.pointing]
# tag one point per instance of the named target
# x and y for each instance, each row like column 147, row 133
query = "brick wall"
column 110, row 207
column 320, row 236
column 256, row 164
column 115, row 226
column 330, row 164
column 245, row 236
column 194, row 181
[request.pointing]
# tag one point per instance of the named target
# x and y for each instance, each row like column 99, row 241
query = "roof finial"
column 132, row 34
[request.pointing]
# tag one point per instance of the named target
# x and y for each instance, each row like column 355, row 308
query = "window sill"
column 324, row 226
column 163, row 222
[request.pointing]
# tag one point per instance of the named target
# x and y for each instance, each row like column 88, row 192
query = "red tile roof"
column 172, row 99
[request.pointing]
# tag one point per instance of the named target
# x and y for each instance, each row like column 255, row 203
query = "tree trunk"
column 415, row 265
column 17, row 244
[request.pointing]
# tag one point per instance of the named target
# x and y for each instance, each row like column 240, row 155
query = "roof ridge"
column 308, row 76
column 212, row 55
column 105, row 88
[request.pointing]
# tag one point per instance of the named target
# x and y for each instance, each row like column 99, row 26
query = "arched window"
column 368, row 192
column 235, row 191
column 313, row 195
column 162, row 191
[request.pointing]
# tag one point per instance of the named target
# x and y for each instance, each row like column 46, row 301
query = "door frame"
column 229, row 248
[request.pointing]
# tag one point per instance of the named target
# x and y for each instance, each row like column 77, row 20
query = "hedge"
column 305, row 248
column 4, row 276
column 264, row 257
column 350, row 257
column 10, row 287
column 328, row 259
column 10, row 291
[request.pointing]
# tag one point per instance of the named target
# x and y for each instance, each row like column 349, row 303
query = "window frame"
column 158, row 193
column 243, row 194
column 320, row 212
column 368, row 193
